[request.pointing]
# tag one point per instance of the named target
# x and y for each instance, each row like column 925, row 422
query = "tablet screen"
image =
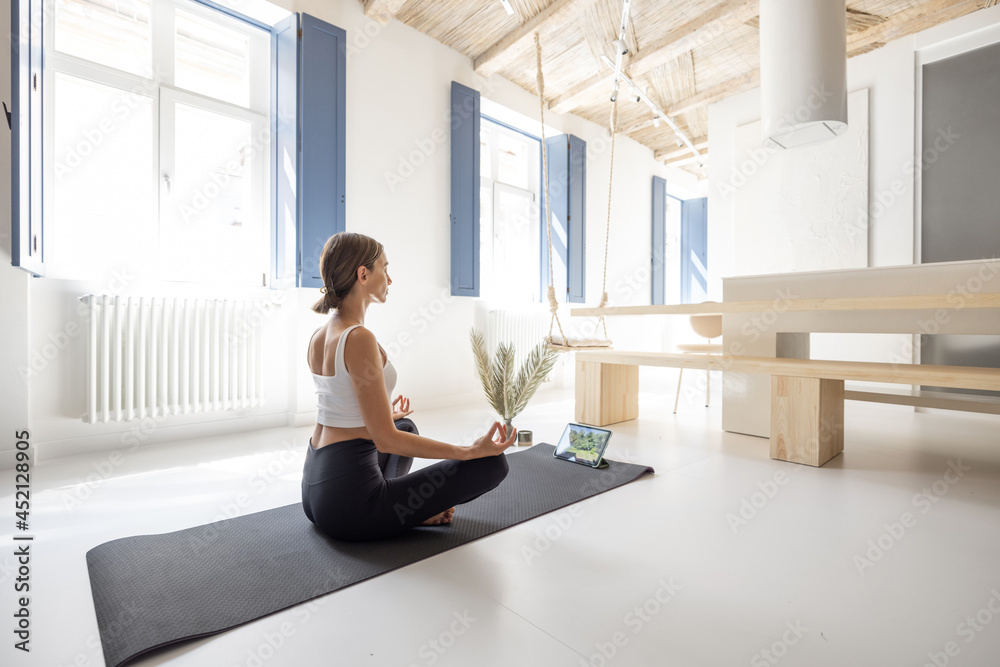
column 583, row 444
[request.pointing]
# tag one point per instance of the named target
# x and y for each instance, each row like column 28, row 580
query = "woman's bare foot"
column 438, row 519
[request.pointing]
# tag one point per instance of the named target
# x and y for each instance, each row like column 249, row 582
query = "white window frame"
column 488, row 288
column 161, row 89
column 534, row 223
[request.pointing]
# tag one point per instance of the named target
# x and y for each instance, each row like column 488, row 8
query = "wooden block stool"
column 606, row 393
column 807, row 419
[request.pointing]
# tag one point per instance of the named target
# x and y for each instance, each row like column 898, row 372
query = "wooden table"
column 771, row 387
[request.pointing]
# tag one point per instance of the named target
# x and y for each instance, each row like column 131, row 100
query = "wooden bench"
column 919, row 302
column 853, row 303
column 807, row 395
column 989, row 405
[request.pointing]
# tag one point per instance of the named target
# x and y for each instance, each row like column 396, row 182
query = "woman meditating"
column 356, row 483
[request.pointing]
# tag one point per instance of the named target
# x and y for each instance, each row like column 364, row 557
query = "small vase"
column 507, row 424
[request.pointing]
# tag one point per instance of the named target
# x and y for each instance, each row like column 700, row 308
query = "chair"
column 709, row 327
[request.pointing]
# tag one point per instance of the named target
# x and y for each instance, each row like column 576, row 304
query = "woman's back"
column 338, row 412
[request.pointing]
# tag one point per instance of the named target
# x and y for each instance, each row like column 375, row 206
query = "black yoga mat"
column 151, row 591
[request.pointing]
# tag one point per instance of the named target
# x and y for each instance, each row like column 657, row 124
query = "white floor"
column 842, row 565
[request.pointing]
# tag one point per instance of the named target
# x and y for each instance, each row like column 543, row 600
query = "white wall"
column 398, row 98
column 890, row 74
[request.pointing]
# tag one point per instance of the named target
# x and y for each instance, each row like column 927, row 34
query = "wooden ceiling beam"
column 635, row 127
column 571, row 98
column 701, row 30
column 382, row 11
column 687, row 161
column 705, row 29
column 672, row 154
column 714, row 94
column 517, row 41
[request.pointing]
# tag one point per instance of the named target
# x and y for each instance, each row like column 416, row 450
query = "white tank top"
column 336, row 403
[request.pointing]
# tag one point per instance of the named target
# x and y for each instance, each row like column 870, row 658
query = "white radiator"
column 155, row 357
column 525, row 329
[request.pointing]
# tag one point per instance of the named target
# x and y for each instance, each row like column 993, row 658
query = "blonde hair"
column 343, row 253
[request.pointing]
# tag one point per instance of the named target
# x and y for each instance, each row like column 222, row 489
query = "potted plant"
column 508, row 395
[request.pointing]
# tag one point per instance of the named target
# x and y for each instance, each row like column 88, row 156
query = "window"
column 157, row 158
column 498, row 234
column 510, row 216
column 515, row 164
column 567, row 183
column 118, row 36
column 160, row 152
column 693, row 215
column 658, row 259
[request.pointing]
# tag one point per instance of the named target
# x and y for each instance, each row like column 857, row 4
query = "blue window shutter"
column 577, row 219
column 694, row 249
column 322, row 160
column 284, row 157
column 465, row 118
column 27, row 239
column 557, row 149
column 567, row 167
column 659, row 240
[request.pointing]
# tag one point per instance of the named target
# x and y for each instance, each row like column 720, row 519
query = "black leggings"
column 351, row 491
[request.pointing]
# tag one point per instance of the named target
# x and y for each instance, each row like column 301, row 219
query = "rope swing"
column 563, row 342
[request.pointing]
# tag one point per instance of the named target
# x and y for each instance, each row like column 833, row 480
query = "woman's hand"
column 403, row 409
column 488, row 445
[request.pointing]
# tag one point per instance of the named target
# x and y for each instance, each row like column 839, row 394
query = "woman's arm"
column 361, row 355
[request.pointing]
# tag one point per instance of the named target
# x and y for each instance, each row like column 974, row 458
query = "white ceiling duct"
column 803, row 71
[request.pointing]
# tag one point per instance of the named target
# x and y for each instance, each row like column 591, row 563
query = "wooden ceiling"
column 685, row 54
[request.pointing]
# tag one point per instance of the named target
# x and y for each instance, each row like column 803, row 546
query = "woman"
column 356, row 483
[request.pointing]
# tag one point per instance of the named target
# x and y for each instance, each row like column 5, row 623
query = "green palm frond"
column 496, row 382
column 534, row 370
column 529, row 364
column 483, row 365
column 505, row 352
column 507, row 395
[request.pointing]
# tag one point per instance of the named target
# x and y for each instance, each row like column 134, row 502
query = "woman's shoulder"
column 327, row 338
column 361, row 349
column 358, row 337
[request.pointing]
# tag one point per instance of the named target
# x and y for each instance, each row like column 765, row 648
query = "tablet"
column 583, row 444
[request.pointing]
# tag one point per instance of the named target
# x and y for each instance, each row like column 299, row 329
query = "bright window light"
column 102, row 187
column 156, row 145
column 210, row 59
column 206, row 226
column 116, row 34
column 510, row 234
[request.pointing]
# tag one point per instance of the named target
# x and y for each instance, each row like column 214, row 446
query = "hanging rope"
column 607, row 228
column 553, row 304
